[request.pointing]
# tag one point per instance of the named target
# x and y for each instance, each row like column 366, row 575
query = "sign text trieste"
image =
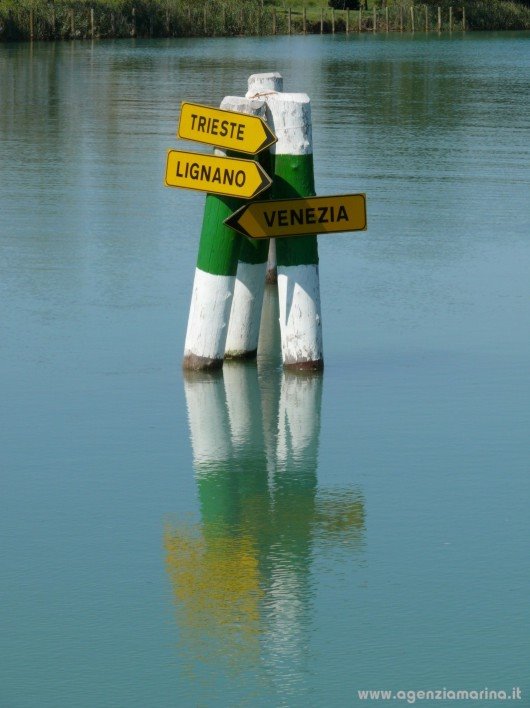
column 224, row 129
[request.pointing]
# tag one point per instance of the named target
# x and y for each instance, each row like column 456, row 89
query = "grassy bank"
column 81, row 19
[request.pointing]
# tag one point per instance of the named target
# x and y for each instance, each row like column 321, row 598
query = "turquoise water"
column 253, row 538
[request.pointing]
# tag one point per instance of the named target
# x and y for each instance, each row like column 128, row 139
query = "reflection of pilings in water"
column 212, row 448
column 242, row 577
column 269, row 363
column 214, row 566
column 249, row 463
column 299, row 419
column 294, row 487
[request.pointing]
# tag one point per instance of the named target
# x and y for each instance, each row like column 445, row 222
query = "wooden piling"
column 257, row 261
column 273, row 20
column 401, row 18
column 133, row 30
column 72, row 24
column 412, row 28
column 374, row 28
column 205, row 20
column 426, row 18
column 321, row 21
column 386, row 19
column 333, row 20
column 289, row 21
column 298, row 279
column 451, row 18
column 31, row 26
column 92, row 23
column 439, row 19
column 360, row 18
column 304, row 20
column 463, row 19
column 347, row 22
column 215, row 273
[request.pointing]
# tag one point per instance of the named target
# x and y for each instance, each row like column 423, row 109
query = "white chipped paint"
column 211, row 301
column 242, row 105
column 245, row 315
column 264, row 83
column 289, row 116
column 208, row 421
column 300, row 319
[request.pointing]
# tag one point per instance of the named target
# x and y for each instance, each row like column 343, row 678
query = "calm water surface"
column 253, row 538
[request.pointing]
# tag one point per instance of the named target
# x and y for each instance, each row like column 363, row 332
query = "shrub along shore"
column 95, row 19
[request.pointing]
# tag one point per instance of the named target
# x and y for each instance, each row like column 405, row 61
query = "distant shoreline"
column 114, row 19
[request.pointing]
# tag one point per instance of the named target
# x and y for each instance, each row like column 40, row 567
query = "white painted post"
column 267, row 83
column 215, row 275
column 245, row 315
column 298, row 278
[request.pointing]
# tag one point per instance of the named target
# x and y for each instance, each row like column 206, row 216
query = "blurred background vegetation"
column 80, row 19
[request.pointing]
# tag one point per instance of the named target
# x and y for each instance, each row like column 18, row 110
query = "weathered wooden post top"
column 252, row 202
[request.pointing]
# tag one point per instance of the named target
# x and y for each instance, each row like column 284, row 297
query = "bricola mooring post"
column 254, row 263
column 215, row 274
column 289, row 115
column 264, row 85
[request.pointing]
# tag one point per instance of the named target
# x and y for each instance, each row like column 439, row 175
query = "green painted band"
column 219, row 245
column 294, row 177
column 254, row 251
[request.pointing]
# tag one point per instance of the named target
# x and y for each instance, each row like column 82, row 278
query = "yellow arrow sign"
column 300, row 217
column 225, row 129
column 228, row 176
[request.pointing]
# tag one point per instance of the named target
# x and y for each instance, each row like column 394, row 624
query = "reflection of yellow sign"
column 219, row 175
column 226, row 129
column 299, row 217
